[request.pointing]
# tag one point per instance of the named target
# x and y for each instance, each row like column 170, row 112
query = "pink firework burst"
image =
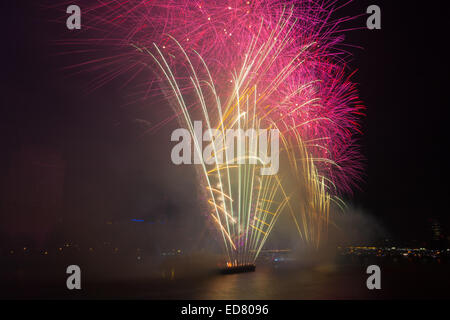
column 302, row 67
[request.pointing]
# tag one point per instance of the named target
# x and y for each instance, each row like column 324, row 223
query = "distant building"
column 438, row 240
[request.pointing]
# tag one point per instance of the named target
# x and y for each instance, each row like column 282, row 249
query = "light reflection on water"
column 116, row 279
column 270, row 282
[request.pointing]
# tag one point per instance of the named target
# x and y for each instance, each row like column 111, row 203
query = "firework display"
column 243, row 65
column 241, row 157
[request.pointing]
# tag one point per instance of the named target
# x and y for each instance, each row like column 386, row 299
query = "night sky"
column 102, row 168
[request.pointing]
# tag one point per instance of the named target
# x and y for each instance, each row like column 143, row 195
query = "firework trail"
column 283, row 60
column 245, row 203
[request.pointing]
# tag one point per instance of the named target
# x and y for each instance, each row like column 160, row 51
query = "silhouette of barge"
column 238, row 269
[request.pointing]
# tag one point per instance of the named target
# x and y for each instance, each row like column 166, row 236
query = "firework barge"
column 238, row 269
